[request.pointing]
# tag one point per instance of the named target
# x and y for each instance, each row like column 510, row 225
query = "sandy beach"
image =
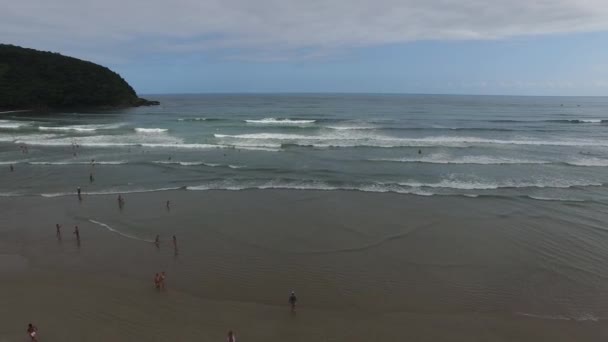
column 365, row 267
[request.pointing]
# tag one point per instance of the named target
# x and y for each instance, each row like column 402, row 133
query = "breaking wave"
column 151, row 130
column 280, row 122
column 350, row 139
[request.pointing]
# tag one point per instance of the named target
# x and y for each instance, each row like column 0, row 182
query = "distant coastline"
column 47, row 81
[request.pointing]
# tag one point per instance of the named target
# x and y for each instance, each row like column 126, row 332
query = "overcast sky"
column 530, row 47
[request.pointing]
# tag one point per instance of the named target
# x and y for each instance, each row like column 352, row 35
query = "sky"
column 510, row 47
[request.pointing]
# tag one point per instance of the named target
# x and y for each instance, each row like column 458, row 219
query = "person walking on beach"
column 77, row 233
column 168, row 205
column 292, row 301
column 32, row 331
column 231, row 337
column 174, row 242
column 58, row 227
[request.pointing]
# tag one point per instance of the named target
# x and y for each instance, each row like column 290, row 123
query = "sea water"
column 541, row 148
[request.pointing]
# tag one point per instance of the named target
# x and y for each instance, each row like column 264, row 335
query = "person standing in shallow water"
column 157, row 281
column 157, row 241
column 121, row 202
column 231, row 337
column 292, row 301
column 32, row 332
column 12, row 168
column 91, row 178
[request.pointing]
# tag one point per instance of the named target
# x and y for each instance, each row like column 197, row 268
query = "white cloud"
column 138, row 26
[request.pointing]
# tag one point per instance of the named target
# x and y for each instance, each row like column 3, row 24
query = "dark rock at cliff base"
column 32, row 79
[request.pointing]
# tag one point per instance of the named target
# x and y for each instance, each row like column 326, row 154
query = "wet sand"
column 365, row 267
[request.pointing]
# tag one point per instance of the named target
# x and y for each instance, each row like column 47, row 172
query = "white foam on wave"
column 109, row 192
column 134, row 140
column 588, row 162
column 151, row 130
column 12, row 162
column 69, row 162
column 417, row 188
column 81, row 128
column 11, row 124
column 280, row 122
column 542, row 198
column 67, row 129
column 445, row 159
column 354, row 139
column 197, row 163
column 192, row 119
column 113, row 230
column 484, row 185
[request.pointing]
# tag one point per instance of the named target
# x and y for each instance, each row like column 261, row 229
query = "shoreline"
column 365, row 266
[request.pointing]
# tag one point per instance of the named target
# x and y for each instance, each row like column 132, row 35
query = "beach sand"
column 365, row 267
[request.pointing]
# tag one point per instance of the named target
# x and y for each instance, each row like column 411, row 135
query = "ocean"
column 424, row 217
column 540, row 148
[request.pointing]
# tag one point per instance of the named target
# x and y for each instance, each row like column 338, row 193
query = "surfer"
column 292, row 301
column 32, row 331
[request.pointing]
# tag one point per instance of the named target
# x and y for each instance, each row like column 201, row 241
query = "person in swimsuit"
column 32, row 331
column 157, row 281
column 292, row 301
column 231, row 337
column 121, row 202
column 162, row 280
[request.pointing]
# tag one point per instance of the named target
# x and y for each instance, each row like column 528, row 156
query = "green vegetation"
column 44, row 80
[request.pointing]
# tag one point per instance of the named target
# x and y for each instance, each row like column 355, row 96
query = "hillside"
column 32, row 79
